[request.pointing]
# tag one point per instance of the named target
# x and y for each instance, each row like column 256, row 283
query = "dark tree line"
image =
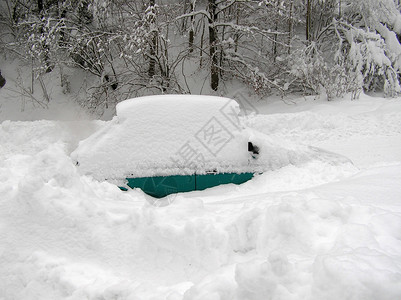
column 133, row 48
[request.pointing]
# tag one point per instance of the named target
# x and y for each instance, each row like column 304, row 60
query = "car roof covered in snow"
column 166, row 135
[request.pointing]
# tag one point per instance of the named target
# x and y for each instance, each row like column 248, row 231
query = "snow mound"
column 308, row 246
column 279, row 236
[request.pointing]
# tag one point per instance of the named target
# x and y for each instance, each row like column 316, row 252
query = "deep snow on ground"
column 304, row 231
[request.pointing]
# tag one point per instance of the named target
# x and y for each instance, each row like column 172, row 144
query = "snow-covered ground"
column 305, row 231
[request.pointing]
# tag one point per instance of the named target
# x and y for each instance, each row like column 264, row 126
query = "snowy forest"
column 273, row 47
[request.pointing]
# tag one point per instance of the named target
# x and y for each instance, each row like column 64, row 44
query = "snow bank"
column 66, row 236
column 364, row 132
column 309, row 246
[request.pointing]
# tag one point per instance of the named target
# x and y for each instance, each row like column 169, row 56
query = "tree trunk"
column 63, row 14
column 184, row 20
column 40, row 6
column 153, row 42
column 201, row 44
column 308, row 19
column 214, row 70
column 290, row 24
column 236, row 36
column 48, row 67
column 191, row 31
column 275, row 36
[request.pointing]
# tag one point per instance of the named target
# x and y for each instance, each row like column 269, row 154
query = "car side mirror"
column 253, row 149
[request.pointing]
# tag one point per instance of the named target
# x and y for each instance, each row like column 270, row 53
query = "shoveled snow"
column 311, row 230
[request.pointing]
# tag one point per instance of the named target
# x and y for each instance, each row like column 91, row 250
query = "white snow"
column 308, row 230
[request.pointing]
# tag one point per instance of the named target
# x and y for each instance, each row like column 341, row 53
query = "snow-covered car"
column 170, row 143
column 178, row 143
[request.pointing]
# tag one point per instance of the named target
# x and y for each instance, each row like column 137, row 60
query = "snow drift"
column 304, row 231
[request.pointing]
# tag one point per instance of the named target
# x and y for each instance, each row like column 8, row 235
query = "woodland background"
column 122, row 48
